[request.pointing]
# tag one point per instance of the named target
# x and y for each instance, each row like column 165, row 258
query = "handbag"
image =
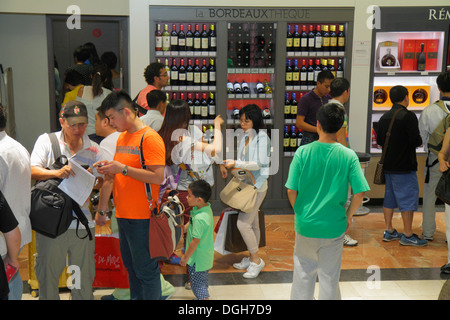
column 239, row 193
column 379, row 177
column 165, row 229
column 51, row 208
column 443, row 187
column 233, row 239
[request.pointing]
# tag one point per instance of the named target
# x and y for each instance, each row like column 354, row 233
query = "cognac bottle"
column 379, row 96
column 388, row 59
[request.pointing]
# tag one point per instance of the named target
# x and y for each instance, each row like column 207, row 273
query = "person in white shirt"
column 15, row 183
column 52, row 253
column 157, row 102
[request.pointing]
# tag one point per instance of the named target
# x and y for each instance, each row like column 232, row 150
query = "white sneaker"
column 244, row 264
column 349, row 242
column 254, row 269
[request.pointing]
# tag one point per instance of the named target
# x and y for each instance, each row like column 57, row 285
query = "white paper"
column 78, row 187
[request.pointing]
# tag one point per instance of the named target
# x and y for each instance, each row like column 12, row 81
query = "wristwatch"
column 102, row 213
column 125, row 170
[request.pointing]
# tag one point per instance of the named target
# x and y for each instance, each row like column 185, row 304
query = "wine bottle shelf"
column 194, row 54
column 250, row 96
column 315, row 54
column 190, row 88
column 251, row 70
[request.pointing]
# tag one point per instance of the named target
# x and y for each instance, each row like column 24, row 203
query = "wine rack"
column 310, row 48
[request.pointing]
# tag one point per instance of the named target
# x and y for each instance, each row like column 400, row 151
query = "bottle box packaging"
column 413, row 101
column 431, row 49
column 410, row 49
column 408, row 54
column 382, row 49
column 381, row 96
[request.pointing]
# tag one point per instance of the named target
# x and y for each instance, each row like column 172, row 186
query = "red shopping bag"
column 109, row 269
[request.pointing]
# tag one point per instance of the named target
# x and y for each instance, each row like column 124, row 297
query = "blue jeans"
column 143, row 271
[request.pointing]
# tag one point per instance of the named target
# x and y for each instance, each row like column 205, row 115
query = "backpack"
column 436, row 138
column 51, row 208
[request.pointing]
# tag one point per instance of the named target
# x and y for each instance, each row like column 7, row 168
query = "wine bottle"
column 341, row 38
column 266, row 113
column 388, row 60
column 333, row 38
column 197, row 39
column 286, row 139
column 204, row 74
column 181, row 39
column 237, row 87
column 323, row 64
column 166, row 65
column 204, row 107
column 267, row 88
column 174, row 73
column 211, row 106
column 379, row 96
column 288, row 73
column 190, row 104
column 212, row 72
column 289, row 38
column 212, row 38
column 318, row 39
column 259, row 87
column 244, row 87
column 204, row 39
column 340, row 69
column 317, row 70
column 325, row 39
column 303, row 39
column 236, row 113
column 287, row 106
column 293, row 139
column 197, row 107
column 293, row 110
column 311, row 73
column 174, row 39
column 230, row 87
column 295, row 74
column 296, row 39
column 420, row 96
column 331, row 67
column 421, row 58
column 189, row 39
column 158, row 38
column 189, row 73
column 181, row 73
column 197, row 74
column 303, row 74
column 311, row 39
column 166, row 38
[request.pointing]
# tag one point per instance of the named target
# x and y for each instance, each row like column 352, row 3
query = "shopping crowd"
column 102, row 129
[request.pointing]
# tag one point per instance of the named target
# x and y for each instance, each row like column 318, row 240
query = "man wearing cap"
column 51, row 253
column 400, row 167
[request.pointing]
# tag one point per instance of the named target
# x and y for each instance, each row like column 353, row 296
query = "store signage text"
column 259, row 13
column 442, row 14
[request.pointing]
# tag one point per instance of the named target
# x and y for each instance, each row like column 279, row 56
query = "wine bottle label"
column 181, row 42
column 191, row 109
column 333, row 42
column 318, row 42
column 212, row 76
column 182, row 76
column 205, row 43
column 289, row 42
column 293, row 142
column 296, row 42
column 288, row 76
column 341, row 41
column 166, row 43
column 174, row 75
column 229, row 87
column 189, row 42
column 311, row 42
column 295, row 76
column 294, row 109
column 339, row 74
column 158, row 42
column 304, row 42
column 189, row 76
column 212, row 109
column 213, row 42
column 259, row 87
column 287, row 109
column 197, row 110
column 204, row 111
column 325, row 42
column 310, row 76
column 197, row 43
column 237, row 86
column 204, row 78
column 286, row 142
column 174, row 41
column 303, row 76
column 197, row 78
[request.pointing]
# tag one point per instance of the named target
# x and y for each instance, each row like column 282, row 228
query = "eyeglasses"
column 163, row 75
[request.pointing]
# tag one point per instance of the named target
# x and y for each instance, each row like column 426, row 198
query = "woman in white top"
column 93, row 95
column 253, row 154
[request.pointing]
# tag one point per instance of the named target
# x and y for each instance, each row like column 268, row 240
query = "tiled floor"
column 404, row 272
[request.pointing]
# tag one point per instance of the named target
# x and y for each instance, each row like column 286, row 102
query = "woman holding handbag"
column 253, row 154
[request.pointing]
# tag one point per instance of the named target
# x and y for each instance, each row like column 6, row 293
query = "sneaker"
column 349, row 242
column 254, row 269
column 428, row 238
column 244, row 264
column 445, row 268
column 391, row 236
column 414, row 240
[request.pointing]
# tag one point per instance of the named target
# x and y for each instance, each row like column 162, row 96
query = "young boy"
column 317, row 185
column 199, row 254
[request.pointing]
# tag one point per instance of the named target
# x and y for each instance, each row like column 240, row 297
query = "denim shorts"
column 402, row 191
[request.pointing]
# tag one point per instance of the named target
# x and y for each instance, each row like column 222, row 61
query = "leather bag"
column 239, row 193
column 443, row 187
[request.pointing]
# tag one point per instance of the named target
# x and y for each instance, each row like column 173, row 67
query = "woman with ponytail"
column 93, row 95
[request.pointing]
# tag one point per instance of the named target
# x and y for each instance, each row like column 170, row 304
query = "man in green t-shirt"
column 317, row 185
column 199, row 254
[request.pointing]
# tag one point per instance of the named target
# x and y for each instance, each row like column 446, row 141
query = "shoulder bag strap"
column 388, row 135
column 55, row 145
column 148, row 189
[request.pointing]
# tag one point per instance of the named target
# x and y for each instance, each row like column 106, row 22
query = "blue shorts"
column 199, row 282
column 402, row 191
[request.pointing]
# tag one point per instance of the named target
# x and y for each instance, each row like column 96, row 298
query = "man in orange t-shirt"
column 125, row 177
column 157, row 78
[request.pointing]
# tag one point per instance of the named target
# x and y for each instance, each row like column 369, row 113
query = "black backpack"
column 51, row 208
